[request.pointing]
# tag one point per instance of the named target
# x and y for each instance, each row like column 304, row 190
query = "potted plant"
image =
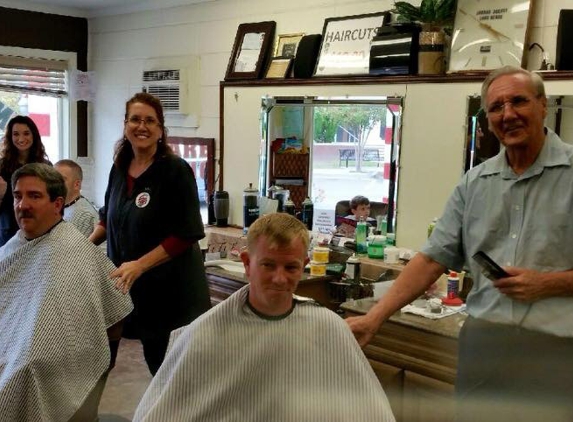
column 435, row 17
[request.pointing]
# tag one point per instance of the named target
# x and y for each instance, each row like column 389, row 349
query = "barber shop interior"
column 256, row 211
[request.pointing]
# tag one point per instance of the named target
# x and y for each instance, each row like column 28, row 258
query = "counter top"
column 448, row 326
column 241, row 278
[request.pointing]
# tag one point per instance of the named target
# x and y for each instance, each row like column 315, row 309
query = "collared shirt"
column 519, row 220
column 82, row 214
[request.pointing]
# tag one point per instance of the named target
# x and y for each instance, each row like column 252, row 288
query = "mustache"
column 25, row 214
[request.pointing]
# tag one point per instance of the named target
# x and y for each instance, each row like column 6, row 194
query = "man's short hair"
column 358, row 200
column 75, row 167
column 280, row 229
column 55, row 185
column 534, row 77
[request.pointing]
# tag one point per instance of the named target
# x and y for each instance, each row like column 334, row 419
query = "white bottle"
column 353, row 269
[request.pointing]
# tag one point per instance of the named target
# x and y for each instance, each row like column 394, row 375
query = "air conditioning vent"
column 169, row 86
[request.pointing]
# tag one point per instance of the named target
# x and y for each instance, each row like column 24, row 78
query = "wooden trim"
column 372, row 80
column 221, row 133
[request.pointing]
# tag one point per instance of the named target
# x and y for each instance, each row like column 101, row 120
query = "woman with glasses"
column 152, row 224
column 22, row 144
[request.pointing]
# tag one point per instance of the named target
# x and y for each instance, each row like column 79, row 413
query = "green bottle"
column 361, row 233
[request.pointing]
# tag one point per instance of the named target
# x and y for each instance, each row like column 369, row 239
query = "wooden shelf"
column 390, row 79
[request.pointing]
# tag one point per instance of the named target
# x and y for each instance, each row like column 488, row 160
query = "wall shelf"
column 401, row 79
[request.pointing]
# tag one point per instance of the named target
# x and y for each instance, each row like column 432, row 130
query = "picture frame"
column 287, row 44
column 345, row 47
column 279, row 67
column 250, row 50
column 489, row 34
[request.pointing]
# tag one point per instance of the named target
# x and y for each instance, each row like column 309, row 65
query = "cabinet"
column 416, row 361
column 290, row 167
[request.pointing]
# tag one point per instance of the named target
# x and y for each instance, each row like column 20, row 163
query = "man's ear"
column 59, row 202
column 246, row 261
column 78, row 184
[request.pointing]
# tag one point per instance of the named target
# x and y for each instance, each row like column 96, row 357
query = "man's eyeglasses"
column 136, row 121
column 519, row 102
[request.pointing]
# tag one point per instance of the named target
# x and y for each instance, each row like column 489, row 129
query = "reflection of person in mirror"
column 265, row 354
column 516, row 345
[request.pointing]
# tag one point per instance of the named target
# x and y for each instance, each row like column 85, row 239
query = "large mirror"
column 332, row 149
column 481, row 144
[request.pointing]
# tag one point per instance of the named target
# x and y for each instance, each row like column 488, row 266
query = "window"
column 353, row 145
column 37, row 88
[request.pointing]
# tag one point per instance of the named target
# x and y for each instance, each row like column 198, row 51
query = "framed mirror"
column 250, row 50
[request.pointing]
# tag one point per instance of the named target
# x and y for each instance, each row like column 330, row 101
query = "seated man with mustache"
column 56, row 302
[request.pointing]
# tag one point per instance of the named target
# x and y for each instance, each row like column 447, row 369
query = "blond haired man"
column 266, row 354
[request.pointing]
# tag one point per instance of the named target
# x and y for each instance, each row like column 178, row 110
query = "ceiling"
column 92, row 8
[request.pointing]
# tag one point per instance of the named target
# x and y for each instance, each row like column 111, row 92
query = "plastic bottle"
column 250, row 206
column 360, row 235
column 382, row 225
column 391, row 239
column 307, row 213
column 432, row 226
column 353, row 269
column 452, row 298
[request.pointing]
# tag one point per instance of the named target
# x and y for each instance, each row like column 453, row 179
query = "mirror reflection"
column 332, row 149
column 481, row 143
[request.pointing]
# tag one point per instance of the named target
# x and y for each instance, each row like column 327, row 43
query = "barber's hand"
column 3, row 188
column 523, row 284
column 363, row 328
column 126, row 275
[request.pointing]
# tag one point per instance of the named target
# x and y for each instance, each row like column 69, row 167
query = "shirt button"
column 513, row 236
column 517, row 207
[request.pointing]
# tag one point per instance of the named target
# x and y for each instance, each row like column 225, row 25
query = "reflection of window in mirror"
column 336, row 132
column 481, row 144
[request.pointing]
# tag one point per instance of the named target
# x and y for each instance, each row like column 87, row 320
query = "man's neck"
column 521, row 158
column 73, row 200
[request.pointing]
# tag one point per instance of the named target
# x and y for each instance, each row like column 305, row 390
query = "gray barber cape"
column 232, row 365
column 56, row 302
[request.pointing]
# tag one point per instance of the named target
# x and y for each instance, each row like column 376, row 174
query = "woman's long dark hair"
column 9, row 153
column 123, row 150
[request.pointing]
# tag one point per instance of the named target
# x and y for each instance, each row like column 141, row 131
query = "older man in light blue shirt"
column 516, row 348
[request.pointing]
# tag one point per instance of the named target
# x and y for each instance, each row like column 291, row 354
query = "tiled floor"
column 125, row 385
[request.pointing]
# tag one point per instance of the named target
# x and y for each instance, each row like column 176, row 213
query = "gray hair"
column 535, row 78
column 54, row 181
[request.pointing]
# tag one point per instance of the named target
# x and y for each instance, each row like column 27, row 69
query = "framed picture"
column 345, row 48
column 287, row 44
column 489, row 34
column 250, row 50
column 279, row 68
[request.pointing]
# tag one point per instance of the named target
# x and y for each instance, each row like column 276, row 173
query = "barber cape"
column 56, row 301
column 232, row 365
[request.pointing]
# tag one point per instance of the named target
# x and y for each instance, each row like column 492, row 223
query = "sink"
column 227, row 265
column 374, row 273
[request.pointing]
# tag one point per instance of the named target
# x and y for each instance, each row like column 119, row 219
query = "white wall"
column 121, row 46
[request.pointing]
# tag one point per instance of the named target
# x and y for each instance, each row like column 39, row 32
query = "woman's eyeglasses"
column 148, row 121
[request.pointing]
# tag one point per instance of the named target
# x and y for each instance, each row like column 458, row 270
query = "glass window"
column 45, row 111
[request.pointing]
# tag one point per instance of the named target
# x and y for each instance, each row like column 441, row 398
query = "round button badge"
column 142, row 200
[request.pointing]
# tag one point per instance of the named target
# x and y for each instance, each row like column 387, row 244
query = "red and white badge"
column 142, row 200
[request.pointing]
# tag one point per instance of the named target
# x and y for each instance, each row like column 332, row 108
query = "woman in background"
column 152, row 223
column 21, row 145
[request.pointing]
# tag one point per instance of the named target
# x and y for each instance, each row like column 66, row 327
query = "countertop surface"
column 448, row 326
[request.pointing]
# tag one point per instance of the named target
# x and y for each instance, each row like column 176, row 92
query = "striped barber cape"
column 232, row 365
column 56, row 302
